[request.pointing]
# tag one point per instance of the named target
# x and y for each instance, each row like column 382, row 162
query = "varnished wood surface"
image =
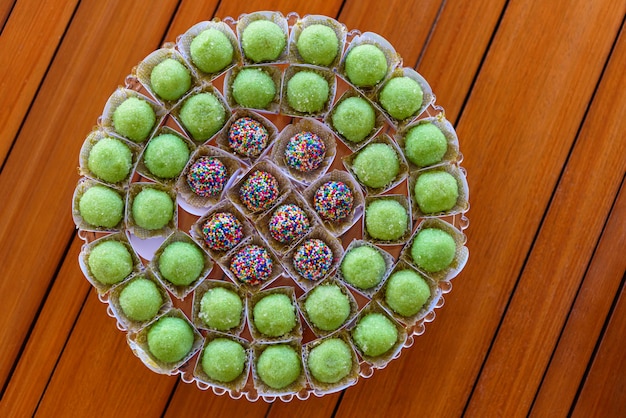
column 535, row 324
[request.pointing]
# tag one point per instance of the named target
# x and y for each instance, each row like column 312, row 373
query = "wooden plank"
column 5, row 12
column 34, row 24
column 40, row 174
column 584, row 324
column 521, row 118
column 561, row 253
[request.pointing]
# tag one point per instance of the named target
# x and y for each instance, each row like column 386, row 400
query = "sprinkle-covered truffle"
column 221, row 309
column 110, row 160
column 152, row 209
column 140, row 300
column 253, row 88
column 223, row 360
column 386, row 220
column 401, row 97
column 211, row 51
column 363, row 267
column 433, row 250
column 406, row 292
column 377, row 165
column 330, row 361
column 222, row 231
column 436, row 191
column 251, row 264
column 307, row 92
column 305, row 152
column 202, row 115
column 263, row 40
column 248, row 137
column 365, row 65
column 181, row 263
column 274, row 315
column 425, row 144
column 110, row 262
column 333, row 201
column 134, row 119
column 313, row 259
column 288, row 223
column 166, row 155
column 170, row 79
column 318, row 45
column 278, row 366
column 375, row 334
column 259, row 191
column 170, row 339
column 327, row 307
column 101, row 207
column 354, row 119
column 207, row 176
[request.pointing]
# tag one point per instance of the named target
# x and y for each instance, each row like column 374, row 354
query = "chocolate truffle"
column 223, row 360
column 152, row 209
column 170, row 339
column 365, row 65
column 110, row 160
column 330, row 361
column 354, row 119
column 377, row 165
column 305, row 152
column 433, row 250
column 386, row 220
column 221, row 309
column 110, row 262
column 166, row 155
column 222, row 231
column 278, row 366
column 274, row 315
column 401, row 97
column 288, row 223
column 363, row 267
column 101, row 207
column 211, row 51
column 207, row 176
column 170, row 79
column 181, row 263
column 140, row 300
column 247, row 137
column 251, row 265
column 307, row 92
column 333, row 201
column 202, row 115
column 253, row 88
column 134, row 119
column 425, row 144
column 436, row 191
column 318, row 45
column 406, row 292
column 313, row 259
column 375, row 334
column 259, row 191
column 263, row 40
column 327, row 307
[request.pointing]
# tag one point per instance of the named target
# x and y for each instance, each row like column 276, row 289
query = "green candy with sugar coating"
column 330, row 361
column 274, row 315
column 436, row 191
column 110, row 160
column 433, row 250
column 307, row 92
column 152, row 209
column 377, row 165
column 386, row 220
column 166, row 155
column 140, row 300
column 202, row 115
column 318, row 45
column 406, row 292
column 101, row 207
column 134, row 119
column 425, row 144
column 211, row 51
column 363, row 267
column 375, row 334
column 278, row 366
column 327, row 307
column 170, row 339
column 354, row 119
column 110, row 262
column 263, row 40
column 170, row 79
column 253, row 88
column 223, row 360
column 181, row 263
column 401, row 97
column 366, row 65
column 221, row 308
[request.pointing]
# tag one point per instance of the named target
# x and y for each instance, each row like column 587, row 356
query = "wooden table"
column 535, row 323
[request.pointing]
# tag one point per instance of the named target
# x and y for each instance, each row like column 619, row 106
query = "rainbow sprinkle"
column 305, row 151
column 252, row 265
column 247, row 137
column 207, row 176
column 288, row 223
column 313, row 259
column 259, row 191
column 222, row 231
column 333, row 200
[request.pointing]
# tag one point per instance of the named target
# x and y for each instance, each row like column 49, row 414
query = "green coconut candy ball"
column 170, row 79
column 110, row 160
column 425, row 144
column 354, row 119
column 181, row 263
column 170, row 339
column 433, row 250
column 377, row 165
column 330, row 361
column 152, row 209
column 263, row 40
column 318, row 45
column 203, row 115
column 211, row 51
column 307, row 92
column 278, row 366
column 327, row 307
column 363, row 267
column 101, row 207
column 366, row 65
column 386, row 220
column 134, row 119
column 436, row 191
column 140, row 300
column 166, row 155
column 401, row 97
column 221, row 309
column 224, row 360
column 375, row 334
column 274, row 315
column 406, row 292
column 253, row 88
column 110, row 262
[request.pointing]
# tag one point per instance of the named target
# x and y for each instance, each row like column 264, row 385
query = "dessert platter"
column 272, row 207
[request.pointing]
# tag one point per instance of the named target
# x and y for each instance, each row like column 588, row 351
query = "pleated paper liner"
column 462, row 202
column 209, row 285
column 272, row 16
column 83, row 185
column 402, row 199
column 140, row 232
column 302, row 23
column 299, row 385
column 294, row 334
column 389, row 261
column 239, row 382
column 274, row 72
column 286, row 108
